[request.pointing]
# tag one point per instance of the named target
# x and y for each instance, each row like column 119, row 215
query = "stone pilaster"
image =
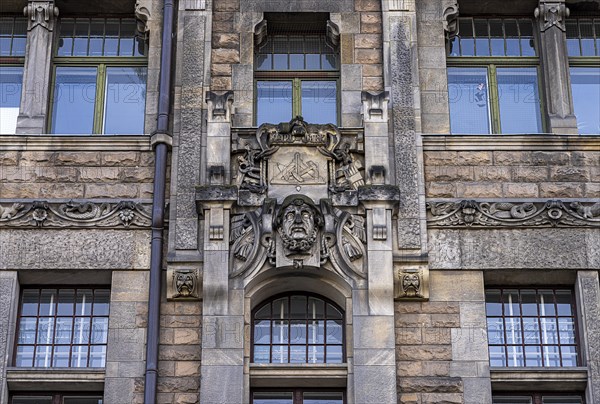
column 551, row 16
column 402, row 82
column 375, row 119
column 41, row 17
column 9, row 300
column 374, row 339
column 588, row 307
column 188, row 133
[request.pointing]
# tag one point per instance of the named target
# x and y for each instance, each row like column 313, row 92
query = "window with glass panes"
column 62, row 328
column 297, row 396
column 493, row 77
column 531, row 327
column 583, row 46
column 99, row 77
column 538, row 398
column 298, row 328
column 47, row 398
column 13, row 37
column 296, row 74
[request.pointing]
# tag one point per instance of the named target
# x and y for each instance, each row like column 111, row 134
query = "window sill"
column 550, row 379
column 55, row 379
column 298, row 375
column 75, row 143
column 537, row 142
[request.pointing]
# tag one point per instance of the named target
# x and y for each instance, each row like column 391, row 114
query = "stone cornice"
column 74, row 143
column 510, row 143
column 512, row 214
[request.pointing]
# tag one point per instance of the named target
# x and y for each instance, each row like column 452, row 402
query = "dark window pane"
column 333, row 312
column 511, row 400
column 335, row 332
column 334, row 354
column 585, row 87
column 43, row 356
column 533, row 356
column 19, row 37
column 280, row 332
column 127, row 43
column 316, row 332
column 497, row 356
column 64, row 330
column 61, row 356
column 97, row 356
column 27, row 330
column 96, row 37
column 32, row 400
column 264, row 62
column 323, row 398
column 572, row 38
column 547, row 303
column 66, row 302
column 586, row 31
column 264, row 312
column 298, row 332
column 274, row 101
column 101, row 302
column 79, row 356
column 30, row 302
column 24, row 356
column 298, row 307
column 515, row 356
column 315, row 308
column 569, row 356
column 497, row 40
column 48, row 302
column 468, row 99
column 519, row 100
column 564, row 302
column 82, row 400
column 84, row 301
column 99, row 331
column 111, row 41
column 80, row 43
column 465, row 27
column 261, row 353
column 280, row 354
column 298, row 354
column 74, row 98
column 319, row 101
column 273, row 398
column 493, row 302
column 562, row 400
column 11, row 80
column 495, row 328
column 125, row 100
column 529, row 302
column 262, row 332
column 65, row 43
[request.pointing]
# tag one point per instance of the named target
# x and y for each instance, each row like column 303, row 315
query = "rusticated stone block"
column 136, row 174
column 37, row 158
column 424, row 352
column 178, row 384
column 77, row 158
column 592, row 190
column 225, row 56
column 569, row 174
column 228, row 41
column 176, row 352
column 370, row 18
column 408, row 336
column 430, row 384
column 9, row 158
column 512, row 158
column 98, row 174
column 221, row 83
column 187, row 368
column 474, row 158
column 409, row 398
column 440, row 307
column 440, row 189
column 121, row 159
column 445, row 320
column 436, row 335
column 186, row 336
column 561, row 190
column 180, row 321
column 372, row 70
column 409, row 368
column 541, row 158
column 218, row 69
column 368, row 56
column 412, row 320
column 226, row 5
column 478, row 190
column 529, row 174
column 449, row 173
column 111, row 191
column 512, row 190
column 441, row 398
column 43, row 190
column 186, row 398
column 368, row 41
column 440, row 158
column 373, row 83
column 492, row 173
column 367, row 5
column 407, row 307
column 585, row 158
column 436, row 368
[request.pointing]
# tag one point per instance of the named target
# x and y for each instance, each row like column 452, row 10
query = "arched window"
column 298, row 328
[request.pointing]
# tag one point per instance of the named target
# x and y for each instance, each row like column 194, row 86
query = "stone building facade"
column 353, row 214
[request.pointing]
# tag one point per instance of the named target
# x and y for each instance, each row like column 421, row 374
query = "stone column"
column 36, row 74
column 588, row 307
column 222, row 365
column 125, row 355
column 374, row 338
column 551, row 15
column 9, row 301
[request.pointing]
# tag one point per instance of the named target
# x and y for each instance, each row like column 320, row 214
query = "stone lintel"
column 207, row 195
column 521, row 379
column 55, row 379
column 537, row 142
column 379, row 193
column 289, row 375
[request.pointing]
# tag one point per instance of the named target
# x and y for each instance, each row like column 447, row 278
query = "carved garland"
column 75, row 214
column 552, row 213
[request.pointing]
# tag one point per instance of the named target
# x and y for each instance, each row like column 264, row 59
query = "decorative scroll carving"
column 375, row 106
column 142, row 15
column 411, row 283
column 551, row 14
column 219, row 105
column 41, row 13
column 553, row 213
column 75, row 214
column 298, row 234
column 332, row 34
column 450, row 21
column 183, row 284
column 260, row 33
column 379, row 224
column 298, row 155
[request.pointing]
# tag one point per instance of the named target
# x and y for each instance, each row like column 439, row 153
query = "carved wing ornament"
column 75, row 214
column 552, row 213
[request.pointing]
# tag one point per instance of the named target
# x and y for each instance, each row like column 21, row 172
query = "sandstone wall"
column 512, row 174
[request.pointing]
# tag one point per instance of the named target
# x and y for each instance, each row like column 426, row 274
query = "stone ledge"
column 549, row 379
column 301, row 375
column 75, row 143
column 547, row 142
column 55, row 379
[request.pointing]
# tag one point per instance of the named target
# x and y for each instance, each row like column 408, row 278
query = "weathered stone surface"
column 9, row 297
column 430, row 384
column 588, row 300
column 424, row 352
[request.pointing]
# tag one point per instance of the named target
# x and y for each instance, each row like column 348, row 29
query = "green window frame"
column 583, row 48
column 102, row 47
column 13, row 37
column 511, row 42
column 298, row 58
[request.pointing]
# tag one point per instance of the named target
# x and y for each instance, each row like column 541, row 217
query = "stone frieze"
column 75, row 214
column 551, row 213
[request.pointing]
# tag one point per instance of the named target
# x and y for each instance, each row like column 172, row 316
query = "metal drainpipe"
column 158, row 204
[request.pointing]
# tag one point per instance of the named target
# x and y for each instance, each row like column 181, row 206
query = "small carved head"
column 411, row 283
column 184, row 283
column 298, row 222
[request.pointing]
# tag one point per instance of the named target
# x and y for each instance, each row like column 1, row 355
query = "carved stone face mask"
column 298, row 229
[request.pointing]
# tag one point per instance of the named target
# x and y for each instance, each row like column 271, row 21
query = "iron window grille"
column 62, row 327
column 298, row 328
column 493, row 77
column 297, row 396
column 99, row 78
column 532, row 327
